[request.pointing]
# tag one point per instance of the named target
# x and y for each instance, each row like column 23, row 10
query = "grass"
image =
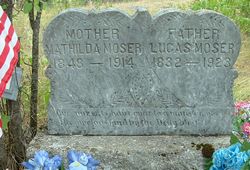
column 242, row 83
column 238, row 10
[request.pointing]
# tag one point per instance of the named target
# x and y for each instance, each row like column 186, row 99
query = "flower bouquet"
column 241, row 123
column 237, row 155
column 77, row 161
column 42, row 161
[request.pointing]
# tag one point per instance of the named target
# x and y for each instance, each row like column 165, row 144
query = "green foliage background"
column 238, row 10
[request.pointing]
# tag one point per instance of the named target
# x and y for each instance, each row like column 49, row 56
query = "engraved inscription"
column 93, row 33
column 140, row 118
column 188, row 47
column 115, row 74
column 94, row 48
column 121, row 62
column 193, row 33
column 210, row 62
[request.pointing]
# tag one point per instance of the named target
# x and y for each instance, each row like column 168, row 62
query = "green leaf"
column 4, row 6
column 245, row 146
column 234, row 139
column 208, row 163
column 36, row 2
column 62, row 167
column 45, row 5
column 246, row 165
column 27, row 7
column 5, row 120
column 36, row 5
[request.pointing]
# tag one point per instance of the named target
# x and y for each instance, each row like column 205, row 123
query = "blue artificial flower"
column 245, row 136
column 41, row 161
column 92, row 163
column 235, row 148
column 53, row 163
column 214, row 168
column 218, row 162
column 40, row 157
column 31, row 165
column 230, row 158
column 77, row 166
column 75, row 158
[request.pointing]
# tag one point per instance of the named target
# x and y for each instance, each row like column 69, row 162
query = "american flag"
column 1, row 126
column 9, row 48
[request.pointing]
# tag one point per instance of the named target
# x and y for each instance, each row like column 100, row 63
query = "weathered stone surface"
column 13, row 85
column 116, row 74
column 132, row 152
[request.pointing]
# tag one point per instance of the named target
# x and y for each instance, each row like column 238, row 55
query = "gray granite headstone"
column 115, row 74
column 14, row 84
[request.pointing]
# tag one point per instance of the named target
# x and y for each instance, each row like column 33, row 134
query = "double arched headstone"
column 115, row 74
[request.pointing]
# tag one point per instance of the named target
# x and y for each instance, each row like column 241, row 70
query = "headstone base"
column 132, row 152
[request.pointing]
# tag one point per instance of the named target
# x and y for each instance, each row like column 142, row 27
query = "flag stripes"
column 9, row 48
column 1, row 126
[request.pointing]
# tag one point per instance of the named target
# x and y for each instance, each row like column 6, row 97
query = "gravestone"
column 115, row 74
column 13, row 85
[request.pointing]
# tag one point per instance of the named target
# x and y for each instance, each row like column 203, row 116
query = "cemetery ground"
column 241, row 85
